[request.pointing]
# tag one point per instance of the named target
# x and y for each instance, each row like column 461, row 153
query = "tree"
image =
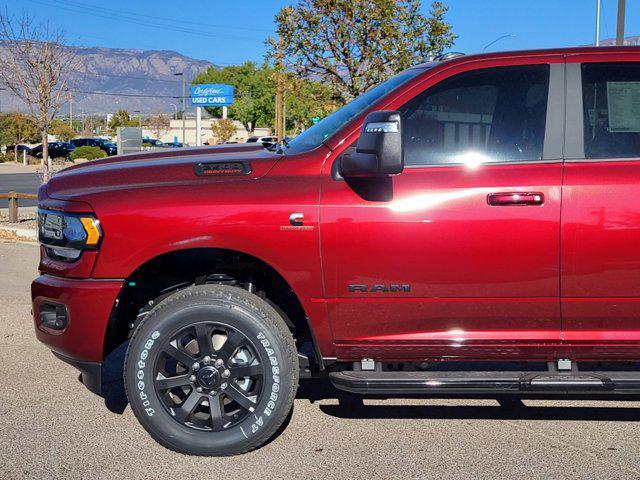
column 223, row 129
column 305, row 100
column 159, row 124
column 355, row 44
column 254, row 103
column 35, row 67
column 62, row 131
column 17, row 128
column 121, row 119
column 254, row 89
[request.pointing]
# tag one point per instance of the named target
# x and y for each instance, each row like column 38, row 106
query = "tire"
column 246, row 387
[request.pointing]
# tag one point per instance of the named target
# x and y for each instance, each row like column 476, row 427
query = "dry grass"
column 12, row 236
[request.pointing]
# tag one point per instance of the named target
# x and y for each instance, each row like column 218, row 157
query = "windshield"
column 315, row 135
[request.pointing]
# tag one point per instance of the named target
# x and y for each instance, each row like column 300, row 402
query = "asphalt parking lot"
column 16, row 178
column 51, row 427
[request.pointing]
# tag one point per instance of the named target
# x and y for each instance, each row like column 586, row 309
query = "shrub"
column 88, row 153
column 223, row 129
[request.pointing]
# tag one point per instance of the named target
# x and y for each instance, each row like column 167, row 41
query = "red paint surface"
column 533, row 282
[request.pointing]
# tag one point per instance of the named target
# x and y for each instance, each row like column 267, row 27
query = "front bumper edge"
column 90, row 372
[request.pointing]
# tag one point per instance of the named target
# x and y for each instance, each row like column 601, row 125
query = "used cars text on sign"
column 209, row 94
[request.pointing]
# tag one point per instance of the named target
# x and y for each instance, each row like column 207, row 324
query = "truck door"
column 457, row 256
column 600, row 212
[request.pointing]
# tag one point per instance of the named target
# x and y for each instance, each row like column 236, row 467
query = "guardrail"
column 13, row 203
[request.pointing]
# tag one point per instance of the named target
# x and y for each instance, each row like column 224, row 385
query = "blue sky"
column 229, row 32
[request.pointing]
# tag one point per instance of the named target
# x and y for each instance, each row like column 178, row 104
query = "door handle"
column 515, row 198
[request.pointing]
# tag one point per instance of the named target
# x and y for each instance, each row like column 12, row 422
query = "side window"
column 611, row 109
column 488, row 115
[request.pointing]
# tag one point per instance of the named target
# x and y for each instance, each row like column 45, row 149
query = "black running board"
column 480, row 383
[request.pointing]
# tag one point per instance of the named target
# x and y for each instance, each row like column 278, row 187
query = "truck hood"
column 161, row 168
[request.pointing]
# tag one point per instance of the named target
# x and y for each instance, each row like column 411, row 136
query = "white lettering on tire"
column 275, row 386
column 140, row 373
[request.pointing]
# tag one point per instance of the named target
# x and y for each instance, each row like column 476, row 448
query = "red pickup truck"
column 467, row 227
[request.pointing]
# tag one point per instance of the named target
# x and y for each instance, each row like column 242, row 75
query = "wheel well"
column 179, row 269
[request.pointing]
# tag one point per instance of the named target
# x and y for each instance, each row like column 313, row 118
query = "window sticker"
column 623, row 100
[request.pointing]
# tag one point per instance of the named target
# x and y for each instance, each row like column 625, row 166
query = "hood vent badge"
column 221, row 169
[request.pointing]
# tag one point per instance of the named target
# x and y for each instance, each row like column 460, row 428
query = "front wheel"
column 212, row 370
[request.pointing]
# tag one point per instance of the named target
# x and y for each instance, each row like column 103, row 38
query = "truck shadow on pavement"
column 351, row 407
column 484, row 412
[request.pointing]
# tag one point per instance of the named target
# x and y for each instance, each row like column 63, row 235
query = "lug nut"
column 207, row 360
column 226, row 374
column 224, row 385
column 199, row 389
column 192, row 378
column 195, row 367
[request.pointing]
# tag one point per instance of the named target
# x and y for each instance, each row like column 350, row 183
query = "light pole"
column 622, row 4
column 598, row 24
column 70, row 109
column 182, row 102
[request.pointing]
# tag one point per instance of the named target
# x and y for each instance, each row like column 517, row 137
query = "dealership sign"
column 211, row 95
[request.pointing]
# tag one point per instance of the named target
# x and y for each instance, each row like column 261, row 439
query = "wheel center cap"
column 208, row 377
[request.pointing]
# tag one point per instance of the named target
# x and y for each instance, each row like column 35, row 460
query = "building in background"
column 174, row 133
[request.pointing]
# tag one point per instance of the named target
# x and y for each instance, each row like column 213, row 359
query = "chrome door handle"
column 515, row 198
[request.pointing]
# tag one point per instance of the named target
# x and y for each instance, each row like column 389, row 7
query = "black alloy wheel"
column 209, row 376
column 212, row 370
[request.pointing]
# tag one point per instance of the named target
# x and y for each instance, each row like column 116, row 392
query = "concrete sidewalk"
column 11, row 168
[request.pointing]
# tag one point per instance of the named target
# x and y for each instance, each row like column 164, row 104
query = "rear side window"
column 611, row 108
column 482, row 116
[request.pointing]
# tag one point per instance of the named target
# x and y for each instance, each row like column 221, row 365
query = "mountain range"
column 609, row 42
column 131, row 74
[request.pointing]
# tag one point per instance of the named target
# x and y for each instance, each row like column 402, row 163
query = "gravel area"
column 26, row 219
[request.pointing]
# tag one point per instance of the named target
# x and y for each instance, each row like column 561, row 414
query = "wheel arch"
column 172, row 270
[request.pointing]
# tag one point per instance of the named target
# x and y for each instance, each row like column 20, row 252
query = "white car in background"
column 266, row 141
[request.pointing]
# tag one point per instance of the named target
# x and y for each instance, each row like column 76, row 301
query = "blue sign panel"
column 211, row 95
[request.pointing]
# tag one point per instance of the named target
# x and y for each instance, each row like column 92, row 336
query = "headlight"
column 66, row 235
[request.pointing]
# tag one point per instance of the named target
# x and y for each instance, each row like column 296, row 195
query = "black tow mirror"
column 379, row 150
